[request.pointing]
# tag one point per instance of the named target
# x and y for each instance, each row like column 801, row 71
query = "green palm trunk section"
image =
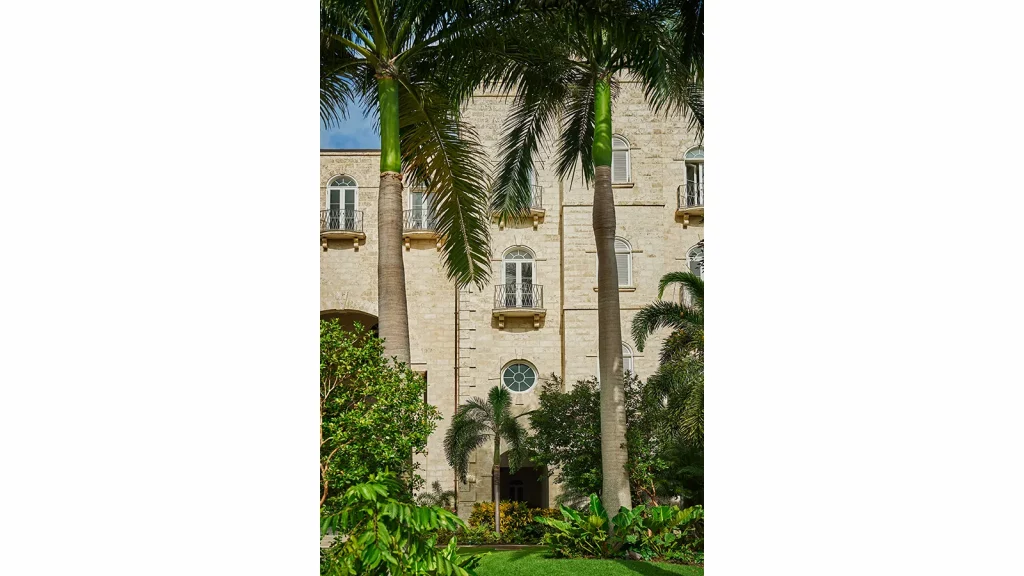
column 615, row 482
column 390, row 143
column 602, row 148
column 496, row 485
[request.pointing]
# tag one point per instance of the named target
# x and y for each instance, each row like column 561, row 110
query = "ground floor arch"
column 347, row 319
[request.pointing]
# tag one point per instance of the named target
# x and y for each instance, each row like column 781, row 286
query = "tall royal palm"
column 379, row 54
column 477, row 421
column 563, row 61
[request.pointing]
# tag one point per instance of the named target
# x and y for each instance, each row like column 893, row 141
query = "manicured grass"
column 535, row 562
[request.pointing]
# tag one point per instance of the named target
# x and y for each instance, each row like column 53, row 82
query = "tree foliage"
column 406, row 43
column 479, row 420
column 372, row 412
column 379, row 534
column 655, row 532
column 685, row 318
column 663, row 461
column 552, row 56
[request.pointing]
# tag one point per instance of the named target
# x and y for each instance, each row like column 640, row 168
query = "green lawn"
column 534, row 562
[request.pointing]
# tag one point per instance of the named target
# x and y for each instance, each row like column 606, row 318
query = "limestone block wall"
column 464, row 352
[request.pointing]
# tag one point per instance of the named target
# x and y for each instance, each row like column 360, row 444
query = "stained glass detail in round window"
column 518, row 377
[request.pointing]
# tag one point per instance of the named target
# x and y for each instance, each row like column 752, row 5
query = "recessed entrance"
column 526, row 485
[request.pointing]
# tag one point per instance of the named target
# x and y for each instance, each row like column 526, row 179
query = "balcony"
column 338, row 224
column 536, row 206
column 417, row 224
column 519, row 300
column 690, row 202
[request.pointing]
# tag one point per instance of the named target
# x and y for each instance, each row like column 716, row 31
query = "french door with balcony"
column 420, row 215
column 341, row 208
column 519, row 279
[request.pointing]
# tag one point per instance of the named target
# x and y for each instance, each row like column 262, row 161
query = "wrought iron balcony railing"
column 341, row 220
column 525, row 295
column 536, row 201
column 691, row 195
column 419, row 219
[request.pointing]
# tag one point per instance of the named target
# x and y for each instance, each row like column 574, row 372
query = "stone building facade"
column 538, row 316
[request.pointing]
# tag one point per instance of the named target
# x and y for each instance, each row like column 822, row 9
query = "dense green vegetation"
column 372, row 414
column 379, row 534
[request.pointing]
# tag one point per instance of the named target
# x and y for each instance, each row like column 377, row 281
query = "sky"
column 355, row 132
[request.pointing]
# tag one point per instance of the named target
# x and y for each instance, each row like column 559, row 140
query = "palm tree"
column 475, row 422
column 380, row 54
column 686, row 319
column 438, row 496
column 563, row 62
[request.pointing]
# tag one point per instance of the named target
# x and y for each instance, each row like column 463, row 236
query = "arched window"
column 342, row 199
column 519, row 278
column 518, row 376
column 627, row 361
column 624, row 262
column 694, row 177
column 620, row 160
column 695, row 258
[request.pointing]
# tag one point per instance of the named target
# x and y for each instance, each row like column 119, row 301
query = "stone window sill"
column 622, row 288
column 622, row 185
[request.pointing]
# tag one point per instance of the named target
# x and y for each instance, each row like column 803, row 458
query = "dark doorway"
column 526, row 485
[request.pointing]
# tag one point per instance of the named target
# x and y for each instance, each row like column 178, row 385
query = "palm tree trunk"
column 496, row 485
column 393, row 308
column 615, row 483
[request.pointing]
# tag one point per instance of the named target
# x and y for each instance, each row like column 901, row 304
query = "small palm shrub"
column 378, row 535
column 657, row 532
column 438, row 496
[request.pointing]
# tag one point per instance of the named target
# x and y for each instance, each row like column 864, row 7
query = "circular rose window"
column 518, row 377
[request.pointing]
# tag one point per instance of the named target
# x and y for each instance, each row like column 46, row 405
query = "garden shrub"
column 658, row 532
column 372, row 414
column 379, row 535
column 514, row 516
column 517, row 525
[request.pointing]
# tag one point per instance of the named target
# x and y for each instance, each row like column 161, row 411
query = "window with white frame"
column 694, row 160
column 517, row 266
column 342, row 199
column 620, row 160
column 627, row 361
column 695, row 258
column 624, row 262
column 518, row 376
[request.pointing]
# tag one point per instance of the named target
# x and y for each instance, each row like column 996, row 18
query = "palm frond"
column 514, row 434
column 691, row 282
column 683, row 342
column 465, row 435
column 575, row 144
column 662, row 314
column 444, row 152
column 500, row 401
